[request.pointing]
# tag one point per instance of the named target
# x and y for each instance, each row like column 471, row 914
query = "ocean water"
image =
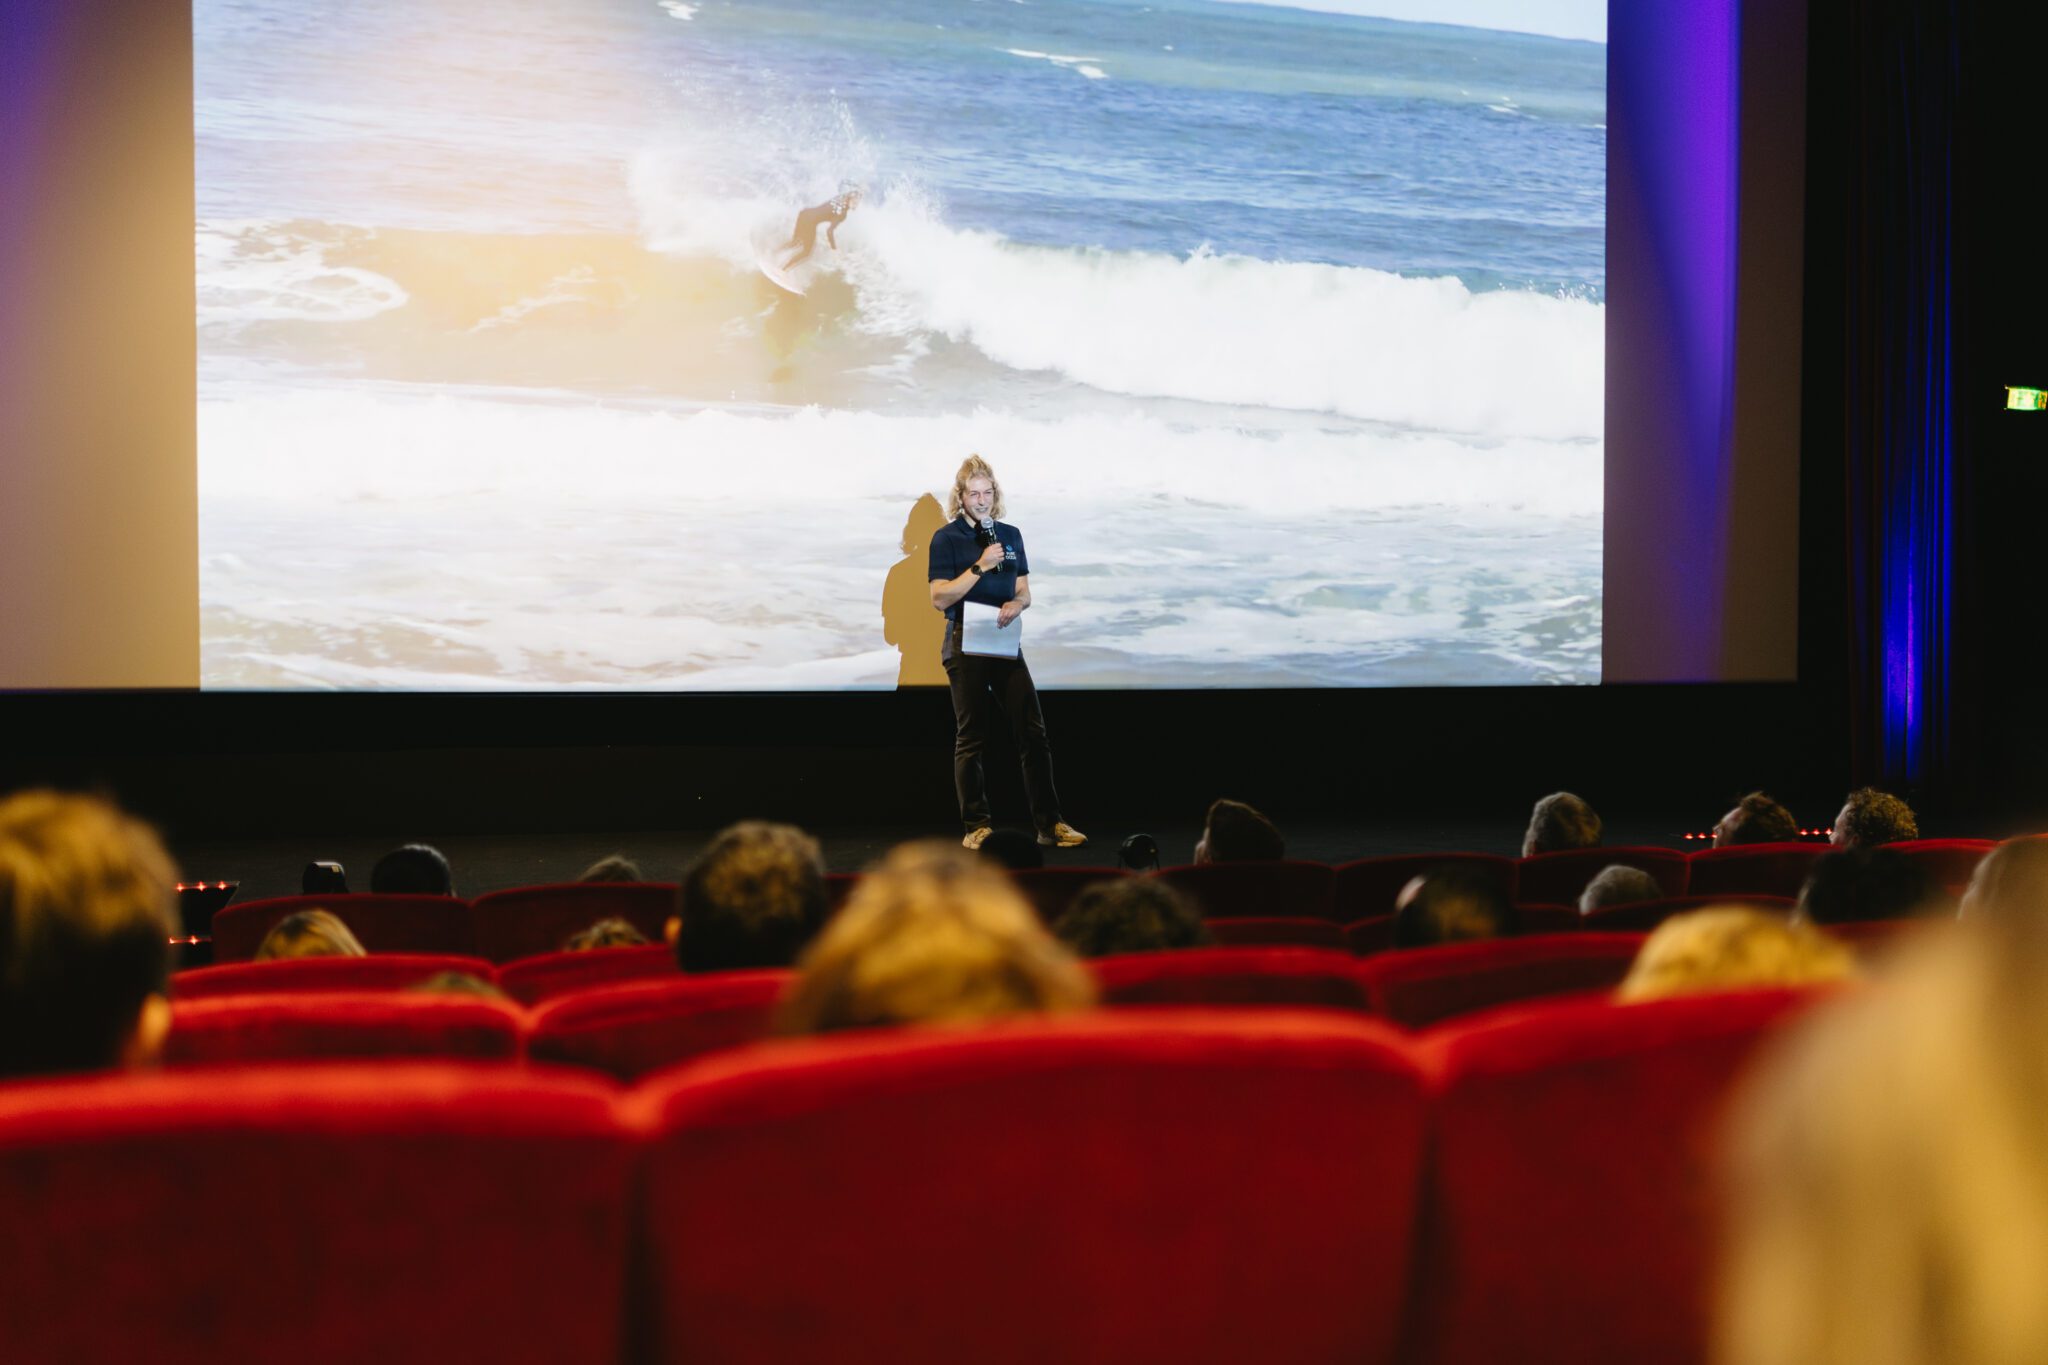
column 1283, row 331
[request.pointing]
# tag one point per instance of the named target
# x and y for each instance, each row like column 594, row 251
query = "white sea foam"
column 260, row 271
column 1085, row 65
column 679, row 9
column 1423, row 352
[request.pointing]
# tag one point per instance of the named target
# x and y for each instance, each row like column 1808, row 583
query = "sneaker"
column 1062, row 835
column 976, row 836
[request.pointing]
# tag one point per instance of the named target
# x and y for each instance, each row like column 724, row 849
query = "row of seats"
column 1188, row 1185
column 350, row 1007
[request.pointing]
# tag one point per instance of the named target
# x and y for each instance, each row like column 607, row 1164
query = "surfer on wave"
column 828, row 215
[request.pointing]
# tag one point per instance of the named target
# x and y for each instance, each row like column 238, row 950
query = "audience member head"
column 613, row 867
column 1619, row 884
column 86, row 914
column 1871, row 817
column 1756, row 819
column 1859, row 884
column 1013, row 849
column 310, row 933
column 1727, row 947
column 414, row 870
column 932, row 935
column 1889, row 1170
column 1451, row 904
column 460, row 983
column 606, row 933
column 754, row 898
column 1236, row 833
column 1130, row 915
column 1561, row 821
column 323, row 879
column 2011, row 880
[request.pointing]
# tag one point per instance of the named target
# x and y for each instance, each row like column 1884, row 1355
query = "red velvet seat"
column 1052, row 889
column 631, row 1029
column 328, row 1025
column 1419, row 986
column 383, row 924
column 1244, row 890
column 1366, row 888
column 401, row 1214
column 1758, row 869
column 377, row 972
column 1569, row 1215
column 531, row 980
column 1950, row 862
column 1558, row 878
column 1232, row 976
column 1374, row 934
column 1207, row 1188
column 1548, row 919
column 1276, row 932
column 1642, row 915
column 528, row 920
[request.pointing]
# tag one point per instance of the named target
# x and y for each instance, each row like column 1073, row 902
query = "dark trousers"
column 979, row 685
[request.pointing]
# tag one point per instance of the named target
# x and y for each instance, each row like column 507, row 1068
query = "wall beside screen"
column 1702, row 426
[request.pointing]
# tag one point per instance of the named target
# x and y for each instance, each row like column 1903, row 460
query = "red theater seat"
column 1558, row 878
column 377, row 972
column 1232, row 976
column 641, row 1026
column 529, row 920
column 1245, row 890
column 1758, row 869
column 401, row 1214
column 1366, row 888
column 1188, row 1186
column 1295, row 933
column 327, row 1025
column 531, row 980
column 1052, row 889
column 384, row 924
column 1950, row 862
column 1419, row 986
column 1569, row 1214
column 1372, row 935
column 1548, row 919
column 1641, row 915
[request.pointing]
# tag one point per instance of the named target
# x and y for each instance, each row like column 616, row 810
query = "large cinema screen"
column 615, row 344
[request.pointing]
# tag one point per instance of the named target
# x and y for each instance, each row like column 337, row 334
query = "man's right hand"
column 990, row 556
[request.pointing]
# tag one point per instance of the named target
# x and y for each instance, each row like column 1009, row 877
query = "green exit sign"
column 2026, row 400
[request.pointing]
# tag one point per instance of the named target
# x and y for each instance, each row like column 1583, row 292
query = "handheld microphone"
column 986, row 536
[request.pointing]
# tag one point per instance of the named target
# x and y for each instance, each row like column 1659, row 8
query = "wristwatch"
column 975, row 569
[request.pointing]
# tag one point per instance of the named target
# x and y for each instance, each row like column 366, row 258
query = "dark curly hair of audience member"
column 1451, row 904
column 1858, row 884
column 416, row 870
column 1755, row 819
column 1234, row 832
column 86, row 915
column 1560, row 821
column 1871, row 817
column 753, row 899
column 613, row 867
column 1129, row 915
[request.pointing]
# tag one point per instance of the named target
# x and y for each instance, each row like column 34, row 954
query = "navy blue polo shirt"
column 954, row 547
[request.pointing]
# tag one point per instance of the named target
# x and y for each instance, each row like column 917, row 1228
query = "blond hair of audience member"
column 1889, row 1164
column 86, row 916
column 605, row 933
column 2010, row 879
column 1732, row 948
column 310, row 933
column 933, row 935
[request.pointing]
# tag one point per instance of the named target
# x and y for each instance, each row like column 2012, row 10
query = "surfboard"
column 777, row 276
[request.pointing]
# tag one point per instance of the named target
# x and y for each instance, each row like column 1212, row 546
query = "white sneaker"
column 1062, row 835
column 976, row 836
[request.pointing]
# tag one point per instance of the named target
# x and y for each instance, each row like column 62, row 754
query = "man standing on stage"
column 976, row 558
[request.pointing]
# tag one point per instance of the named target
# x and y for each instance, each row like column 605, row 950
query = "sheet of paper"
column 981, row 635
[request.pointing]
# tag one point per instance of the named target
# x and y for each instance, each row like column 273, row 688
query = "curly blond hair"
column 1729, row 947
column 933, row 935
column 973, row 467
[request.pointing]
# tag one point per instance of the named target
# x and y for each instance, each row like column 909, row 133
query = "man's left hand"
column 1011, row 610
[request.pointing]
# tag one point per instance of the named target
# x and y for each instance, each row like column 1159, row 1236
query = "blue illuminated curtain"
column 1901, row 418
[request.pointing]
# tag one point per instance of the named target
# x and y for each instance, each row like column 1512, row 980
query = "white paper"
column 981, row 635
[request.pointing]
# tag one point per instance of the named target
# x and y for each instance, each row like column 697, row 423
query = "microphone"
column 985, row 537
